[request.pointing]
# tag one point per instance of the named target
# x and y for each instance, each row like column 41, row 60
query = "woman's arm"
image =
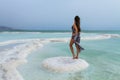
column 76, row 30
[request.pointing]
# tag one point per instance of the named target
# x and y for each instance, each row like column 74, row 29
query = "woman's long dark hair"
column 77, row 22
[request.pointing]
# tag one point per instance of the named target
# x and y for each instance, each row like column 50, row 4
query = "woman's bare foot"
column 76, row 57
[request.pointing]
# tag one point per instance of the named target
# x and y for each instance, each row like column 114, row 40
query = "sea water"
column 101, row 52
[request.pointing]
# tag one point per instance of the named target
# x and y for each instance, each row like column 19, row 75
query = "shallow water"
column 101, row 53
column 104, row 62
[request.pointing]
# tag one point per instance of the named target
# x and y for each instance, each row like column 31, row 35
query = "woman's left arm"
column 76, row 30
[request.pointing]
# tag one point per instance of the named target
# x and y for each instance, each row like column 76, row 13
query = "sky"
column 59, row 14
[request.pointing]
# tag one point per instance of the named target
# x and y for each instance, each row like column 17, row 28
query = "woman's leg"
column 71, row 48
column 78, row 51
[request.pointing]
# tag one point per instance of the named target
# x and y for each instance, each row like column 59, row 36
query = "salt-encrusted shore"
column 15, row 56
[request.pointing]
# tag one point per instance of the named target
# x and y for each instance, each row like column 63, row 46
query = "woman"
column 76, row 37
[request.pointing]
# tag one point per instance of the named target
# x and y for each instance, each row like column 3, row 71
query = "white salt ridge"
column 19, row 41
column 14, row 57
column 64, row 64
column 112, row 35
column 97, row 37
column 11, row 58
column 100, row 37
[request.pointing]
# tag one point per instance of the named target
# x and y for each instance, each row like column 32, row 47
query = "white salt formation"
column 64, row 64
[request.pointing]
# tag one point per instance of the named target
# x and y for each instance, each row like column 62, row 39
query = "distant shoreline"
column 9, row 29
column 52, row 31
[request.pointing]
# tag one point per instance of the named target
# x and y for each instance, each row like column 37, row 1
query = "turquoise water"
column 101, row 54
column 104, row 62
column 30, row 35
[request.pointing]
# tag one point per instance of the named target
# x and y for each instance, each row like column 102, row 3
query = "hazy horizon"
column 59, row 15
